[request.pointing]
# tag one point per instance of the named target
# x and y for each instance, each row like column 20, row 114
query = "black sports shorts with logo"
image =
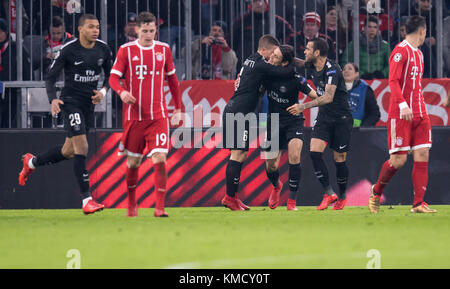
column 335, row 131
column 77, row 118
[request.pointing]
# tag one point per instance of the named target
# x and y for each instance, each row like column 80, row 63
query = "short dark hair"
column 371, row 19
column 57, row 21
column 86, row 17
column 267, row 40
column 414, row 22
column 321, row 45
column 145, row 17
column 288, row 53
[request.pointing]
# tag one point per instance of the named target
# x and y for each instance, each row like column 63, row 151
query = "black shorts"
column 238, row 136
column 336, row 132
column 287, row 131
column 77, row 119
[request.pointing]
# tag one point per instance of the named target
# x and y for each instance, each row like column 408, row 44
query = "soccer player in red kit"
column 144, row 64
column 409, row 128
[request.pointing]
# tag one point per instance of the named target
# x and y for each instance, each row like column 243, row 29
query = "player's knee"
column 340, row 157
column 271, row 166
column 158, row 158
column 398, row 161
column 294, row 158
column 133, row 163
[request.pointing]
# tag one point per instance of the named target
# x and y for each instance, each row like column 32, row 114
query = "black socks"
column 233, row 176
column 321, row 171
column 52, row 156
column 342, row 178
column 82, row 175
column 295, row 173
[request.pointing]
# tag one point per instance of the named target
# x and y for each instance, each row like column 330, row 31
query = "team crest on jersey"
column 159, row 56
column 397, row 57
column 100, row 62
column 399, row 141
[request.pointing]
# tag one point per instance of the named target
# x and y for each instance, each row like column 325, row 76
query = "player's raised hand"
column 55, row 106
column 406, row 114
column 127, row 98
column 296, row 109
column 97, row 97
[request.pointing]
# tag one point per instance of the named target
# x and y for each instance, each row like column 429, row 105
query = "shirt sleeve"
column 54, row 72
column 121, row 63
column 396, row 68
column 303, row 86
column 118, row 70
column 332, row 76
column 169, row 67
column 107, row 66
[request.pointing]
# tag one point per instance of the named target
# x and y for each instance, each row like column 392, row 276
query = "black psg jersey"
column 254, row 70
column 283, row 93
column 82, row 69
column 330, row 74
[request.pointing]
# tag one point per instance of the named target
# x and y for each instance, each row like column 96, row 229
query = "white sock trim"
column 30, row 164
column 86, row 200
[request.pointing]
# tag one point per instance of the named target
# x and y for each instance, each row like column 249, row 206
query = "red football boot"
column 292, row 205
column 327, row 200
column 340, row 204
column 92, row 207
column 274, row 197
column 231, row 203
column 26, row 170
column 241, row 204
column 160, row 213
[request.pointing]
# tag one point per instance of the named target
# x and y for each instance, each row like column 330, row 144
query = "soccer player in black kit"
column 283, row 94
column 82, row 61
column 243, row 103
column 334, row 121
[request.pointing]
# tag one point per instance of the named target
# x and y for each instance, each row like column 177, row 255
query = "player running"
column 144, row 64
column 409, row 127
column 254, row 70
column 334, row 121
column 82, row 61
column 283, row 94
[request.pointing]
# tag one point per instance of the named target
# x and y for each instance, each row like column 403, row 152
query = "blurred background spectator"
column 374, row 52
column 311, row 25
column 363, row 104
column 212, row 57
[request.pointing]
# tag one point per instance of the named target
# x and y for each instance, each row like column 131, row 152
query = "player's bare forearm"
column 326, row 98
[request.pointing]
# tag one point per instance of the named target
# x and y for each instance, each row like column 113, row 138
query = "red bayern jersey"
column 405, row 80
column 144, row 70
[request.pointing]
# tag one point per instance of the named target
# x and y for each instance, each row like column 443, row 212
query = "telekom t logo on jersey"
column 414, row 72
column 141, row 71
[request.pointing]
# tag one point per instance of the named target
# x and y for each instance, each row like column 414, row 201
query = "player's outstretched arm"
column 326, row 98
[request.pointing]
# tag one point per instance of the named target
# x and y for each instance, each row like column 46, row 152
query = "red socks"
column 420, row 181
column 132, row 180
column 386, row 173
column 160, row 179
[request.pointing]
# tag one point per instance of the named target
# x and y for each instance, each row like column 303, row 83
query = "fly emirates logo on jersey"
column 90, row 76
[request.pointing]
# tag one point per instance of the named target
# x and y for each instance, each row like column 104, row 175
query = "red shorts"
column 139, row 135
column 405, row 136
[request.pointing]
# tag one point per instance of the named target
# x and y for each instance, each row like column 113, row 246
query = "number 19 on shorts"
column 161, row 139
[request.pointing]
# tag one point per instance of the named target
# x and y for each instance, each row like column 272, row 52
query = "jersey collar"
column 143, row 47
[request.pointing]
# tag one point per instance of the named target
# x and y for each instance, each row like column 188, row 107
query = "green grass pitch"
column 214, row 237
